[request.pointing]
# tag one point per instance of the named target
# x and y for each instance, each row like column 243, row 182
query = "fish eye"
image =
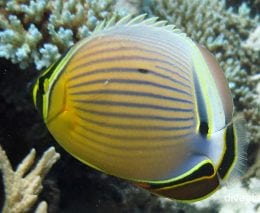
column 204, row 128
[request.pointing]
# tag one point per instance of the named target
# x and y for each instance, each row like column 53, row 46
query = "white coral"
column 253, row 42
column 23, row 26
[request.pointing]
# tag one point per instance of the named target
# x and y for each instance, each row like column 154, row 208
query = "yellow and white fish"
column 140, row 100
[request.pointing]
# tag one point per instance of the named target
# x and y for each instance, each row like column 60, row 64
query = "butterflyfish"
column 140, row 100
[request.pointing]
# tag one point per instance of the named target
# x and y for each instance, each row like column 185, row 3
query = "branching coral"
column 133, row 6
column 253, row 42
column 39, row 31
column 223, row 32
column 23, row 186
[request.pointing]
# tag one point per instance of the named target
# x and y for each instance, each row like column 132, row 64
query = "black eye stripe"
column 47, row 74
column 43, row 77
column 41, row 87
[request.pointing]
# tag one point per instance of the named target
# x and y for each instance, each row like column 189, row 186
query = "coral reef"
column 39, row 31
column 133, row 6
column 23, row 186
column 253, row 4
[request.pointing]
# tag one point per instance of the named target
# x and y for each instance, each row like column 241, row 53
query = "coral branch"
column 23, row 186
column 253, row 40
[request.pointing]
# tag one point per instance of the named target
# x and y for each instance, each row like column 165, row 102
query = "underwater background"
column 33, row 34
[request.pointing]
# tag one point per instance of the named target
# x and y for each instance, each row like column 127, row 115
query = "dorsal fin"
column 138, row 20
column 124, row 20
